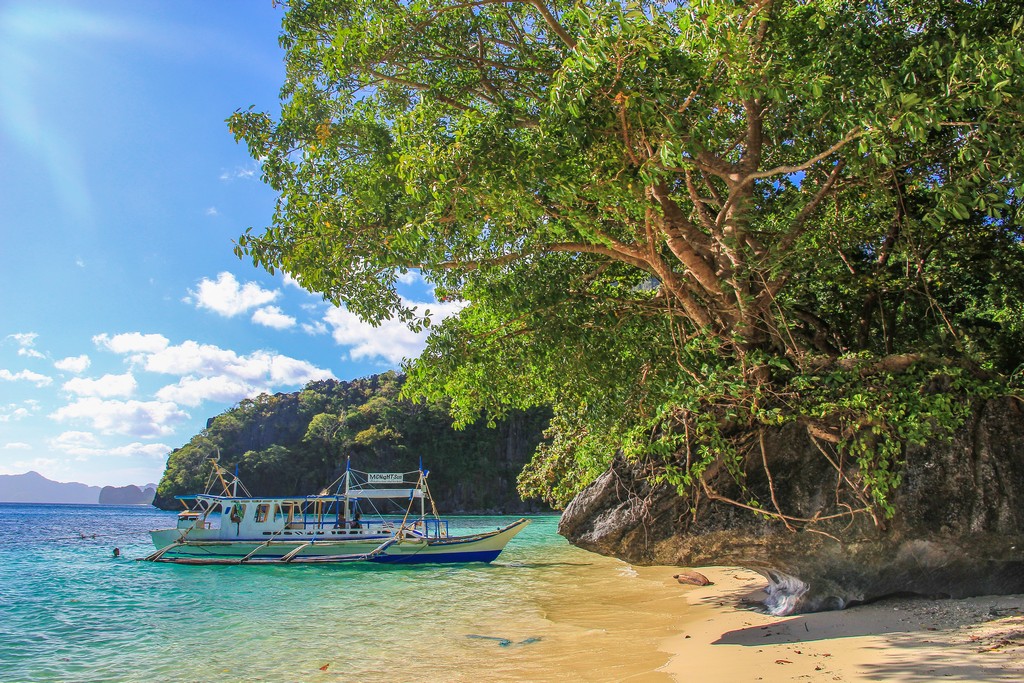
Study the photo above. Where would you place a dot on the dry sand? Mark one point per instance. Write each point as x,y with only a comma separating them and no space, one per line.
907,640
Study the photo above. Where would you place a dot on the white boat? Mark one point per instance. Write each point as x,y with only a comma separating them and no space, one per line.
352,524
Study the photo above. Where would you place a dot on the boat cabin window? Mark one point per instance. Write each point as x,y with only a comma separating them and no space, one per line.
234,510
294,513
262,511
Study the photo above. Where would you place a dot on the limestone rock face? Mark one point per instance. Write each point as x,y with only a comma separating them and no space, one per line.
126,495
958,530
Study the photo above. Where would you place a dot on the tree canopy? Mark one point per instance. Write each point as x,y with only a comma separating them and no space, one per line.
667,219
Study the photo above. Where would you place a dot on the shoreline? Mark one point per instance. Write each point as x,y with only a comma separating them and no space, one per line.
907,639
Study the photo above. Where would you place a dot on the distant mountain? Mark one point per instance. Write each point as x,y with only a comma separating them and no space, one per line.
33,487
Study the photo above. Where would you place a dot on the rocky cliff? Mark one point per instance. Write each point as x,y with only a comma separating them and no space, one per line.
126,495
958,528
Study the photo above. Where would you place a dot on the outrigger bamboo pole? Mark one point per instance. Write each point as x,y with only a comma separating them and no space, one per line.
255,550
153,557
291,555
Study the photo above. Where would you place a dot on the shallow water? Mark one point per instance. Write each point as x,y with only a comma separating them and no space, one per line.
545,611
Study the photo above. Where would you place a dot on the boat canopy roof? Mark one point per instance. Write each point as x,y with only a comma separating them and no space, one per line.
354,494
352,485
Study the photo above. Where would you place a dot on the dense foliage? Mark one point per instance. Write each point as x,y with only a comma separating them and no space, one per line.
675,223
289,444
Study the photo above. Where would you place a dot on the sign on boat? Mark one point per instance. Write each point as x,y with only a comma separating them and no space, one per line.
385,517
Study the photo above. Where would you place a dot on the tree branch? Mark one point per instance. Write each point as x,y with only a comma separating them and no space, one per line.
855,133
552,22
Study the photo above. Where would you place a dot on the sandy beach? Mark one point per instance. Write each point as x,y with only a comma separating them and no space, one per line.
905,639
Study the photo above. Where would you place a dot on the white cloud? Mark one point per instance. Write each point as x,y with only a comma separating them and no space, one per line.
75,364
75,442
132,342
25,375
242,172
392,341
15,414
107,386
192,391
245,378
24,339
149,450
190,357
25,342
86,444
209,372
205,360
45,466
409,277
314,329
226,297
205,372
133,418
290,371
272,316
212,211
17,446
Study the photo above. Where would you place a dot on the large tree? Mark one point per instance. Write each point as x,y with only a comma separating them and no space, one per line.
673,222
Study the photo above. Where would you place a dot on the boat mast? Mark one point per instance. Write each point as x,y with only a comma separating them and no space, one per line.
219,472
348,470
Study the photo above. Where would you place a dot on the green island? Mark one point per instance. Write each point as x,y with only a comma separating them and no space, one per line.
760,261
298,442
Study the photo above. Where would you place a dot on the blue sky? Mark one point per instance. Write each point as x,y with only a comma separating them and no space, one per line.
125,319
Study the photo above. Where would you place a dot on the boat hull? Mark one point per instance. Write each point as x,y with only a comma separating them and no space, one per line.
483,547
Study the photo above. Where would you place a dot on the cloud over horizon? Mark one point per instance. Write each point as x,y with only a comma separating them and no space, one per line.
85,444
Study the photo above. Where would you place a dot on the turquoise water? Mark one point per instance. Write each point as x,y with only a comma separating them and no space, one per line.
71,611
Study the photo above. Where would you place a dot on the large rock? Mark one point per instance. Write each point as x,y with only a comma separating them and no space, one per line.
126,495
958,530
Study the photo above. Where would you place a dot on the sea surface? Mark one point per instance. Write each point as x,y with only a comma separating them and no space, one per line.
544,611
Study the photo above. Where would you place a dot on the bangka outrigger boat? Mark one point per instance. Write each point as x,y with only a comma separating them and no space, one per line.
345,526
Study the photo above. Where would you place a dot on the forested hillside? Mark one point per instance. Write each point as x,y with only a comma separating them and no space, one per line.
297,443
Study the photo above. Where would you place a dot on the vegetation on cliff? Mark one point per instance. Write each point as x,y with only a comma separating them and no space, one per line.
674,223
297,443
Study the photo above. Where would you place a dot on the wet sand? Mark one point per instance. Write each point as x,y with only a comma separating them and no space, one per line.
913,640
